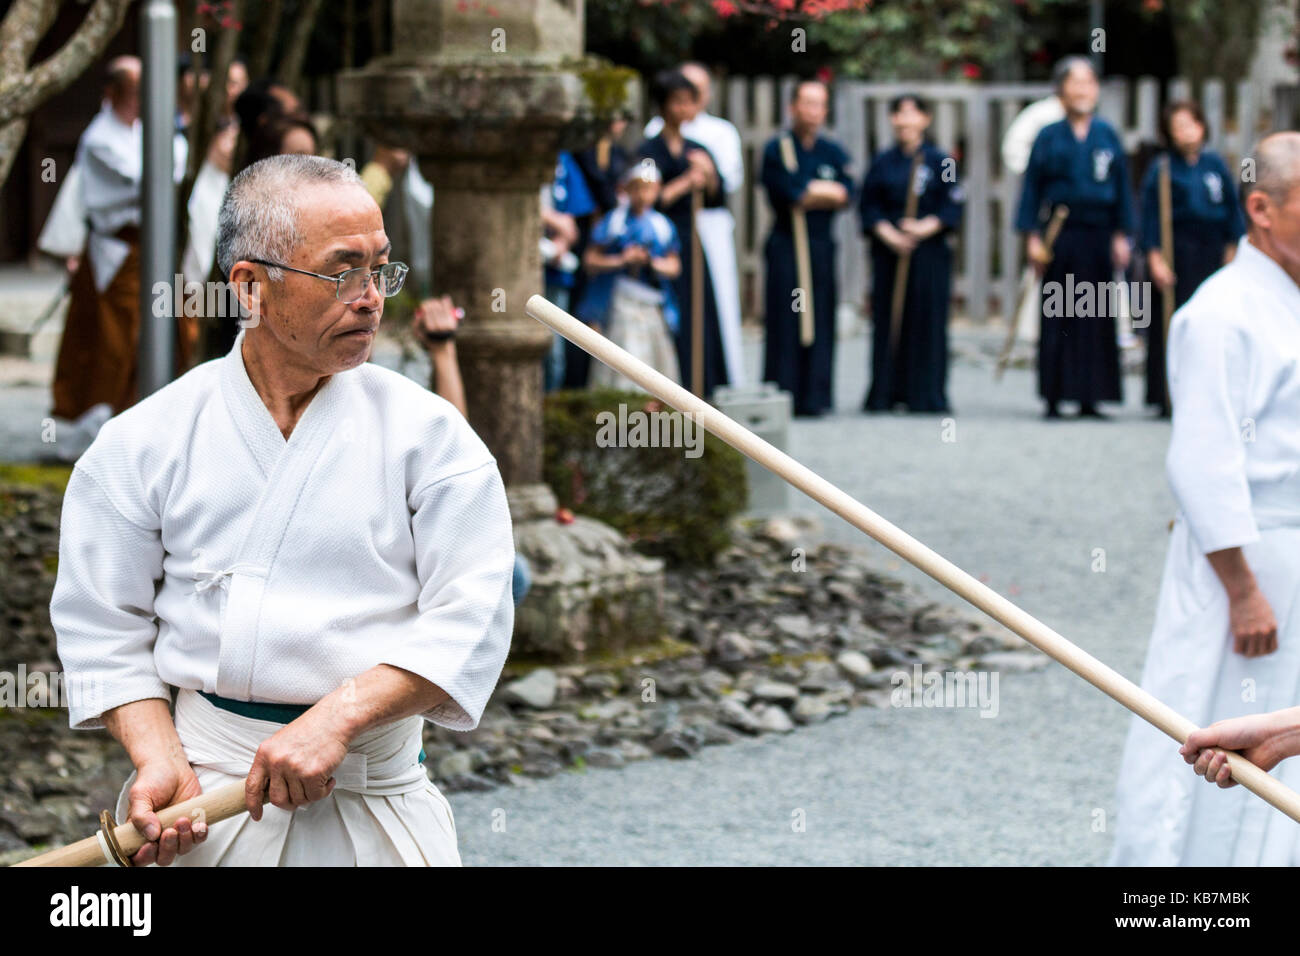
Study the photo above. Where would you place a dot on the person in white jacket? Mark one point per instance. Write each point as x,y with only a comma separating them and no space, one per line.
717,227
311,553
1227,632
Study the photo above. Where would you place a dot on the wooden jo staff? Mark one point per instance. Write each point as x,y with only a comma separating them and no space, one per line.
1166,253
802,251
119,842
697,296
904,258
1028,285
908,548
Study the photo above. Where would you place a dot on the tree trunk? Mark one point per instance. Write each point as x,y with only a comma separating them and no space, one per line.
26,88
295,56
259,65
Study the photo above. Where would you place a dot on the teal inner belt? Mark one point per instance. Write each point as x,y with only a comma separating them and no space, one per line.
279,713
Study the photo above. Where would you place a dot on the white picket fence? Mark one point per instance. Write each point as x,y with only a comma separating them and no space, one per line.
969,121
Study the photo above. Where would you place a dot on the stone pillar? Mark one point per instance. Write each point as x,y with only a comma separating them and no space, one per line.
486,221
486,100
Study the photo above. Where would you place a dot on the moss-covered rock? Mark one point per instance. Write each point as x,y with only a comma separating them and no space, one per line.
669,503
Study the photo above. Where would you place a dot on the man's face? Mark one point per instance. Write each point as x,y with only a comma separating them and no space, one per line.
341,228
641,194
909,122
297,140
1080,90
809,107
680,107
1282,223
236,83
124,94
1187,134
701,80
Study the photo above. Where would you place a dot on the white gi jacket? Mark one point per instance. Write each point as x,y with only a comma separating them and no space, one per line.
201,550
1234,466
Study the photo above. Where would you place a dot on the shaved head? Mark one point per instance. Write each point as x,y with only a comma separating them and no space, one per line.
1272,201
699,76
1276,161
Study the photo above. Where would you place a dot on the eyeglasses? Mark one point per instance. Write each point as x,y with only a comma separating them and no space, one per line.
352,285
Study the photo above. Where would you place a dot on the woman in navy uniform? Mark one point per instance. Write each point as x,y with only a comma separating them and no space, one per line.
1207,222
914,371
820,187
1078,162
686,166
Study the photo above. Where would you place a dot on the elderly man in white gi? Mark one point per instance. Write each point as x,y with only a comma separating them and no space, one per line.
1227,631
312,553
717,227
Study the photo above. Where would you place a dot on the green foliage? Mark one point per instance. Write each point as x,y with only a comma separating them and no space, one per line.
947,39
669,505
43,476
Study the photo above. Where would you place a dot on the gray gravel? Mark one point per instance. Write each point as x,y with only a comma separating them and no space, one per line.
1017,500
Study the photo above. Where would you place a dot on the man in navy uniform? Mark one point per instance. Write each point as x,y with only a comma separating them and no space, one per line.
1079,163
803,172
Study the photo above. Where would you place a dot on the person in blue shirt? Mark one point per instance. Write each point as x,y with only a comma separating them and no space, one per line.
631,262
687,166
821,186
914,370
1078,162
570,202
1207,222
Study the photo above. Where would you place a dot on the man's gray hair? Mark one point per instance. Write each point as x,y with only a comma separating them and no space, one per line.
1275,161
259,213
1067,65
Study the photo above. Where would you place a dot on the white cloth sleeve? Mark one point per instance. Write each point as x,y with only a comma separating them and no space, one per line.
1206,465
102,608
464,558
731,161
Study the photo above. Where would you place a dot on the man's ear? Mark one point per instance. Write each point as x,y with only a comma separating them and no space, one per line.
247,290
1259,209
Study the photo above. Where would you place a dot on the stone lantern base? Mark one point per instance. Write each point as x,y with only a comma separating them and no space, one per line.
591,591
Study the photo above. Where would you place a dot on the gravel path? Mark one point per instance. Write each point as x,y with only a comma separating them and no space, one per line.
1016,500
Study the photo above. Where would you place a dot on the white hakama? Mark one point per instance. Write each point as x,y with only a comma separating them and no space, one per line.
1234,465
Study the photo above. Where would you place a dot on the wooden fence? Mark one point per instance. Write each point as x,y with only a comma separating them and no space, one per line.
969,122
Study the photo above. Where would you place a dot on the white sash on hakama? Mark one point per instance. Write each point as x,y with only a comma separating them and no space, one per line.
384,810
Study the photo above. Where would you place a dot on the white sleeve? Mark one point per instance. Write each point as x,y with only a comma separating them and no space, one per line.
1209,368
102,608
465,559
731,161
1018,141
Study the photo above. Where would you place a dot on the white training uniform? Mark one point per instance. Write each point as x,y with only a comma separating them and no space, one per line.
201,550
1234,466
717,228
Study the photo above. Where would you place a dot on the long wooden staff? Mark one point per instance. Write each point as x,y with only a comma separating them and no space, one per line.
697,296
904,258
908,548
802,251
125,839
1028,283
1166,253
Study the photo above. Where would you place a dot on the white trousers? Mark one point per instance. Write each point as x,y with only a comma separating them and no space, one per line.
1165,814
384,810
